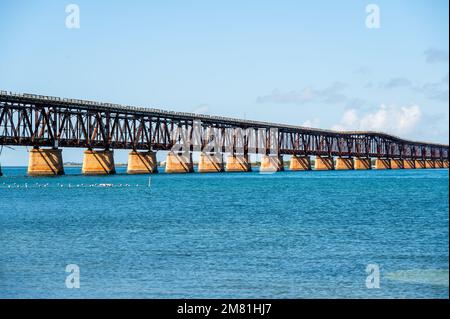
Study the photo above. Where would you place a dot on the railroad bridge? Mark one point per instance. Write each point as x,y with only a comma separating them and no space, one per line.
48,124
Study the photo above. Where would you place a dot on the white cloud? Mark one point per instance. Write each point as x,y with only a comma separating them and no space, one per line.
362,70
295,97
397,82
434,55
435,90
201,109
390,119
314,123
350,118
331,94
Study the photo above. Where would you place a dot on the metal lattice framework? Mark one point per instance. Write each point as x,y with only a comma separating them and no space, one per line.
34,120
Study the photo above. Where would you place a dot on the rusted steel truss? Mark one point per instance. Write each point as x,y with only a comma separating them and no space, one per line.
53,122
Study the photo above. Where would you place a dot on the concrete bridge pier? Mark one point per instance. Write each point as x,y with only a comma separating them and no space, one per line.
430,164
271,163
419,164
98,162
238,163
397,163
300,163
142,163
210,163
361,163
344,163
179,163
409,164
382,163
45,162
324,163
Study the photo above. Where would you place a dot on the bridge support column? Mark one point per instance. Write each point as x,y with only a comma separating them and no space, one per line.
179,163
344,163
238,163
430,164
397,163
324,163
361,163
210,163
271,163
45,162
142,163
300,163
98,162
419,164
408,164
382,163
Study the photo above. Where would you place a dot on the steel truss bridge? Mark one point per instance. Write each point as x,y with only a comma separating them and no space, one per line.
39,121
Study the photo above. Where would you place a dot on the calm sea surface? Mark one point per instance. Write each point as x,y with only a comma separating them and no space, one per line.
284,235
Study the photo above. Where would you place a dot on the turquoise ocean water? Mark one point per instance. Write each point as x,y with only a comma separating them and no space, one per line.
283,235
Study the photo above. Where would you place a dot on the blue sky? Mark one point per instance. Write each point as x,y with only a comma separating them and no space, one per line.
309,63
